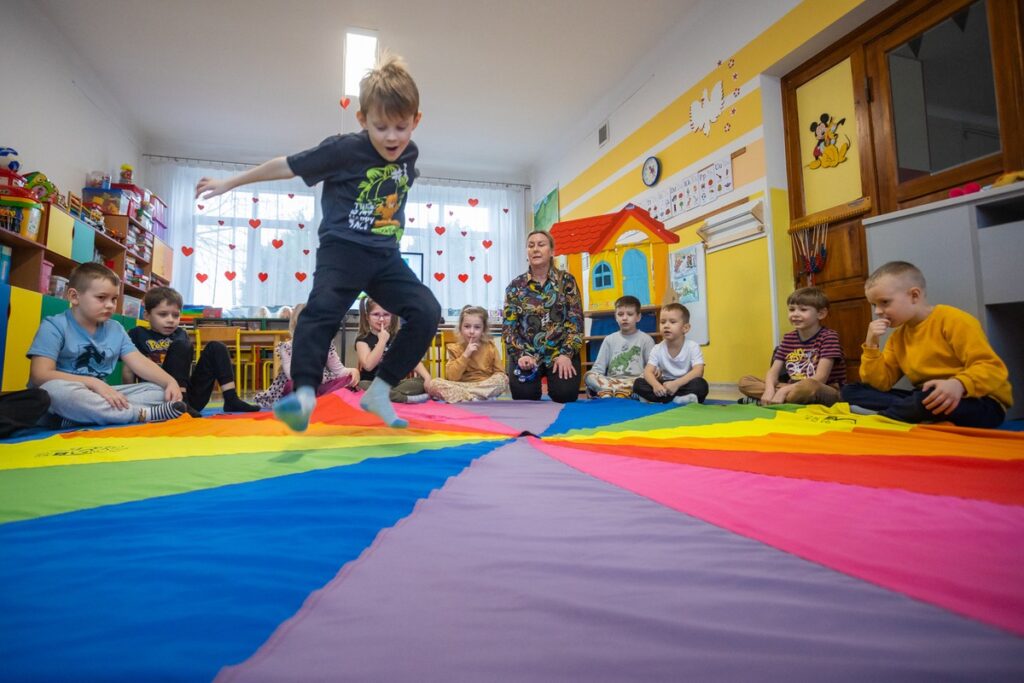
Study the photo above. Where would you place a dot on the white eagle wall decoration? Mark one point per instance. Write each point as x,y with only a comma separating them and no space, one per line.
706,110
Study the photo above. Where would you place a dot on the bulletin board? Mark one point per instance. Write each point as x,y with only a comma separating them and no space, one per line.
688,280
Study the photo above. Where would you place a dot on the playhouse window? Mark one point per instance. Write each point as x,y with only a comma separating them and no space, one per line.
602,276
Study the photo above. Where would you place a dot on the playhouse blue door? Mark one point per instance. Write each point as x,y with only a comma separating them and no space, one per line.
634,276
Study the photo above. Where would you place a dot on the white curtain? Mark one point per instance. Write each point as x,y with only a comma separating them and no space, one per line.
254,246
469,238
472,237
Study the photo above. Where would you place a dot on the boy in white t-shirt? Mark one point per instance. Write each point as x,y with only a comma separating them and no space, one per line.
675,369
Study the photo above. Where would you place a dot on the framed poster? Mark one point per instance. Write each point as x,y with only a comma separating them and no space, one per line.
545,212
688,280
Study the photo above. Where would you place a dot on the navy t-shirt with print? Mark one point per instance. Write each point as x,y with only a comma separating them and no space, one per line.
364,194
154,345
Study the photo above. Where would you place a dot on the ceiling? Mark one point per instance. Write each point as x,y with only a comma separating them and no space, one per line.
502,82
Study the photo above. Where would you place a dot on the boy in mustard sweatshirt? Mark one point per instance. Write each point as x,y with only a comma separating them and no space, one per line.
942,350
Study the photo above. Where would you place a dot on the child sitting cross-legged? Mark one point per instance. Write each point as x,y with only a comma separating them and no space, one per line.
808,365
74,351
474,371
168,345
336,376
377,331
675,370
942,350
623,355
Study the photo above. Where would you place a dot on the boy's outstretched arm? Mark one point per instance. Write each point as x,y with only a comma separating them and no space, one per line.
275,169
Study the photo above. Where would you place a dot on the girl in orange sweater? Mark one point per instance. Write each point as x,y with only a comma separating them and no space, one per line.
474,371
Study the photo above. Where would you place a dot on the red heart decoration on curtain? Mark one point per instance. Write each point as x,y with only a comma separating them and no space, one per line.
439,229
463,277
231,246
451,213
429,204
263,277
487,278
301,226
438,276
464,233
473,201
200,207
412,220
254,223
220,222
187,251
255,200
472,258
344,102
230,275
488,244
201,277
305,252
301,277
278,244
291,195
440,251
505,210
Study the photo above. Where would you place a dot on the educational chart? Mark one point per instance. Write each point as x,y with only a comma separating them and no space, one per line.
693,191
687,279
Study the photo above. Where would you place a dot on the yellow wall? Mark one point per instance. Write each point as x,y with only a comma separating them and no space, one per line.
740,279
21,330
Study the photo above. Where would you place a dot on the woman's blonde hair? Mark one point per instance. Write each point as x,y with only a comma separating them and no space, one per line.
477,311
366,304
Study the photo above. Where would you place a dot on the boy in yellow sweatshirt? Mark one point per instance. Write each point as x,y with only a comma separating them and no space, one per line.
942,350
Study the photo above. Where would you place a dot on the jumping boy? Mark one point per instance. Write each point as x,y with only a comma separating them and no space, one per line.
168,345
942,350
366,176
623,354
808,365
75,350
675,369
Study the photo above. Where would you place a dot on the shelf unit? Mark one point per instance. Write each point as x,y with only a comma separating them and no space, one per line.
66,241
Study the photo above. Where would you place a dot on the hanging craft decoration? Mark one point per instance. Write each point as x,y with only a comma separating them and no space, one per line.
263,276
301,277
187,251
230,275
473,201
202,277
254,223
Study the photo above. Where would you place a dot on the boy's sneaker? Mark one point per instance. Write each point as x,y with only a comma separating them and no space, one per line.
746,400
685,399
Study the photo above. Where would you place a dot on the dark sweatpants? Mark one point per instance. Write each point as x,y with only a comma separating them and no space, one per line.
698,386
343,270
214,365
907,406
559,390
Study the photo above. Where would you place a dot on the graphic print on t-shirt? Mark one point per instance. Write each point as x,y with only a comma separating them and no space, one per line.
800,363
90,360
380,197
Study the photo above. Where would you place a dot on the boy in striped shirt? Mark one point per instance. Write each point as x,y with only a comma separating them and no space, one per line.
808,365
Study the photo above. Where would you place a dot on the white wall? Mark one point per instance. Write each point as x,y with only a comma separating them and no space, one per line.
54,111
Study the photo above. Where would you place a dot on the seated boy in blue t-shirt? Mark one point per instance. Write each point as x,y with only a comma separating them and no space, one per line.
74,351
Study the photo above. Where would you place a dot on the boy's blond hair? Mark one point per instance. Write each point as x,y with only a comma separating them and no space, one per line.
389,89
907,272
83,275
808,296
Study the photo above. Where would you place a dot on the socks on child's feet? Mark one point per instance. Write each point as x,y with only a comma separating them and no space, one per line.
377,400
685,399
417,398
233,404
296,408
164,411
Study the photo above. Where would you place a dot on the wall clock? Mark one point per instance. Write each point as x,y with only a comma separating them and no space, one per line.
651,171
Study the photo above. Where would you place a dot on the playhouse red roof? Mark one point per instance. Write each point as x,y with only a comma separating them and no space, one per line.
591,234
